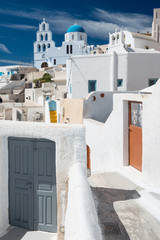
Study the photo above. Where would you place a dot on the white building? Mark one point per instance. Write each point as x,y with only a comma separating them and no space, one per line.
46,54
156,24
111,142
139,40
131,63
6,73
133,40
118,70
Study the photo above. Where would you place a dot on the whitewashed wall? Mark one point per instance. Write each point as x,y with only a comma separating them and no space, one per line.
141,67
3,83
109,141
60,54
70,148
98,107
106,141
81,218
86,68
140,41
34,95
129,38
133,67
151,138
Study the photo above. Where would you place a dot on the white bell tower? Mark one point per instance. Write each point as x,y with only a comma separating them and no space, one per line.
44,41
156,24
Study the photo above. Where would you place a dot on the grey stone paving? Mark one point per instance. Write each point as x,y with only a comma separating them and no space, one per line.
16,233
120,216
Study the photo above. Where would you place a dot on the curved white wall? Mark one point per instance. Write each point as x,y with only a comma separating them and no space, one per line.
81,218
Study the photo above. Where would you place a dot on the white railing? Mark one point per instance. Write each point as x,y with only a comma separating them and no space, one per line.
81,221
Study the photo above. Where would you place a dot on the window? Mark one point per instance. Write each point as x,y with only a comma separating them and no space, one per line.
71,49
119,82
70,88
38,48
152,81
44,27
41,37
1,73
67,49
22,76
54,61
80,37
72,37
44,48
117,36
46,37
92,85
49,45
156,15
43,55
8,73
47,98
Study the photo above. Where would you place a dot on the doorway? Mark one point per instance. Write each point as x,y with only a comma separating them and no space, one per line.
135,134
32,184
44,65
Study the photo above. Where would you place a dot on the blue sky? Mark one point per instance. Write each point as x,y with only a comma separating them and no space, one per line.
19,22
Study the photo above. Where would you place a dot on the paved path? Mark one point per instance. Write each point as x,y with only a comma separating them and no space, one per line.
120,215
16,233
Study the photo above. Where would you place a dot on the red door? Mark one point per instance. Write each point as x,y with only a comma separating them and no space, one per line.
135,135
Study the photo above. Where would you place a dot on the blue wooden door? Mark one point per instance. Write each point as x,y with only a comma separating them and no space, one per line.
32,184
45,205
21,183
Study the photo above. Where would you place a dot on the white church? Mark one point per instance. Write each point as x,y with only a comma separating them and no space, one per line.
131,63
46,54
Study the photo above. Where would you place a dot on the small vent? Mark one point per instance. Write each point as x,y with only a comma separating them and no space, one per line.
94,98
102,95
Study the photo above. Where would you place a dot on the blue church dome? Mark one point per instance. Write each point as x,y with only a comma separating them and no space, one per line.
75,28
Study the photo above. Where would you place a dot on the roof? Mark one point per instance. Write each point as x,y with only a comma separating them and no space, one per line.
143,36
16,67
142,50
60,77
148,89
13,85
75,28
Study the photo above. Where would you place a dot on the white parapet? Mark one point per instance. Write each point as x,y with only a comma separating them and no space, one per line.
47,114
81,221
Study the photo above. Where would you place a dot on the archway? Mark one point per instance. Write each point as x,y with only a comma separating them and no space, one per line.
44,64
